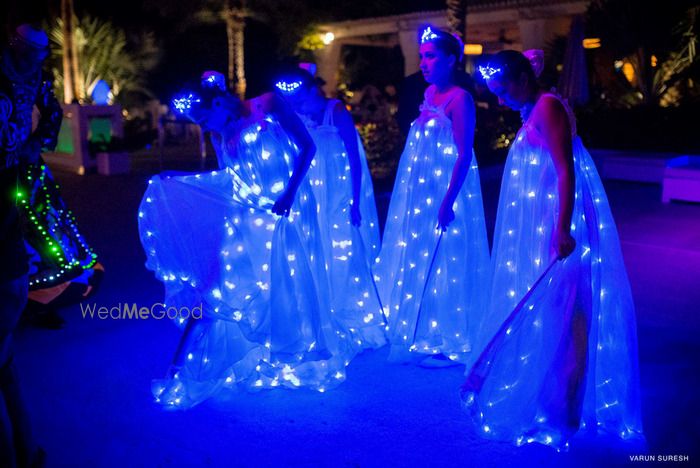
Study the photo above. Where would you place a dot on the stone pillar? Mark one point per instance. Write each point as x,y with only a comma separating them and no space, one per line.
409,49
328,62
533,33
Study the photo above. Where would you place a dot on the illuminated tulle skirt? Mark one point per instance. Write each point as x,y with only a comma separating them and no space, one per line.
349,250
432,284
260,279
566,359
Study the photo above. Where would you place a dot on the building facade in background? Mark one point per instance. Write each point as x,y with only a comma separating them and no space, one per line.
492,25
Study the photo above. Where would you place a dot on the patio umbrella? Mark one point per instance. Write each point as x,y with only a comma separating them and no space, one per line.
573,81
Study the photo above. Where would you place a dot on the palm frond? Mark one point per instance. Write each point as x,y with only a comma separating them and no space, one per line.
104,54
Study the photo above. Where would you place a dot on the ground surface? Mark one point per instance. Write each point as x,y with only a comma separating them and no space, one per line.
89,384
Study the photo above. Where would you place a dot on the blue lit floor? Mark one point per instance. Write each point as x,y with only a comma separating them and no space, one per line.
88,385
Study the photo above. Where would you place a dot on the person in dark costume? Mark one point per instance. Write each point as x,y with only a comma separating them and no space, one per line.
62,267
21,67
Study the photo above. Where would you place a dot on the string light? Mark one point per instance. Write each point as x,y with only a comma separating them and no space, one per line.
63,250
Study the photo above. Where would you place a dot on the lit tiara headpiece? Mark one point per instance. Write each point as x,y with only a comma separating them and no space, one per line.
488,71
428,35
183,103
534,56
288,87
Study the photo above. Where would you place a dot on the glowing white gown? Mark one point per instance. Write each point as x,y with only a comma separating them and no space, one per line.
349,251
567,358
212,239
436,294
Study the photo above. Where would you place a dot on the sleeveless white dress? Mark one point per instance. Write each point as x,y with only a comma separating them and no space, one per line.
431,284
260,278
566,358
349,250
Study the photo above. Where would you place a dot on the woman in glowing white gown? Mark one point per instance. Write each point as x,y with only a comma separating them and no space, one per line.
347,213
244,243
432,280
564,357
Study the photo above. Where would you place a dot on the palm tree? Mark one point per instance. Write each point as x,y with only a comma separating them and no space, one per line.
288,18
98,51
233,13
639,31
682,64
69,55
457,17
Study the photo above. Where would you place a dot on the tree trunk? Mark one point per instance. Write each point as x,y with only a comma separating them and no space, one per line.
68,82
240,62
645,76
231,37
234,16
78,81
457,17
